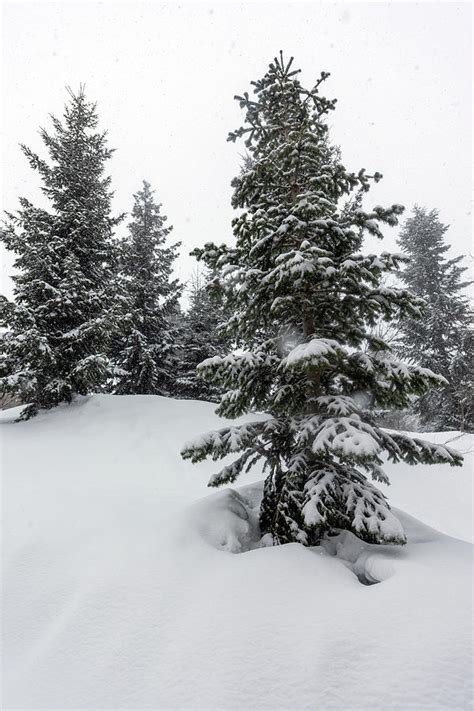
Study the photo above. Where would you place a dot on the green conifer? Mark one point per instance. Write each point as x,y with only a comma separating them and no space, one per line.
147,350
303,299
437,340
59,324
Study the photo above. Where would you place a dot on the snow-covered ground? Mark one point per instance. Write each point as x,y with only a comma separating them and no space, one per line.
119,588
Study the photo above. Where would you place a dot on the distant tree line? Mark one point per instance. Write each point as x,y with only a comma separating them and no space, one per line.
96,307
92,311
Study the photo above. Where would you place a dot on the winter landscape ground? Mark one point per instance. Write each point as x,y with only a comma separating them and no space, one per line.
127,584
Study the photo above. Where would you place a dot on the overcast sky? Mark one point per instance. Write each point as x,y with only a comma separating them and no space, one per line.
164,77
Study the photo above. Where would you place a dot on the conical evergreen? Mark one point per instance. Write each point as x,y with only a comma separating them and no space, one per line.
436,340
60,321
304,298
147,349
200,340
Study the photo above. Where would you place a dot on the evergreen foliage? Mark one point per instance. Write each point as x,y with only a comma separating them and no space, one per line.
59,324
440,338
303,300
199,341
146,353
462,381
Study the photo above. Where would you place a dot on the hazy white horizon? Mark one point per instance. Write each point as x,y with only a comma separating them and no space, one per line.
164,77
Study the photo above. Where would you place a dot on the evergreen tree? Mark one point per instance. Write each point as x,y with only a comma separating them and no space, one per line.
60,321
436,340
200,340
462,380
147,350
304,298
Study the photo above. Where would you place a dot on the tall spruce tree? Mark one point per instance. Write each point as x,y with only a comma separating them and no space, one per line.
200,340
304,298
147,349
59,324
437,340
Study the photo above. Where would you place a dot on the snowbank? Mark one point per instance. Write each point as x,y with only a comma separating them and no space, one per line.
120,589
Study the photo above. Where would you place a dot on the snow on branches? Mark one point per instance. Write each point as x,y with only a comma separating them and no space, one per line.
60,323
304,299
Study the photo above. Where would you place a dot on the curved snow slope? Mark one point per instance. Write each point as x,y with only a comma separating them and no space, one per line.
118,594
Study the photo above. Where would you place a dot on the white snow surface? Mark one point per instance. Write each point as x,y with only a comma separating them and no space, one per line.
120,589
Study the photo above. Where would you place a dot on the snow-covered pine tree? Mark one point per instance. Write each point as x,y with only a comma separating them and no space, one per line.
200,340
304,298
59,324
436,340
146,352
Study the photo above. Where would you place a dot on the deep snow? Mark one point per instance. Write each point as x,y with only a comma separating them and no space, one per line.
120,591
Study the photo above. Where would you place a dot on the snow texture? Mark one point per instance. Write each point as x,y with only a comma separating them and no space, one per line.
120,590
314,352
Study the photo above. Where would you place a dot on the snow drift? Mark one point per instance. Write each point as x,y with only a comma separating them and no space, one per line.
120,589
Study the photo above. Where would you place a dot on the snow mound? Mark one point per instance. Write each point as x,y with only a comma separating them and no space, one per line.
228,520
119,589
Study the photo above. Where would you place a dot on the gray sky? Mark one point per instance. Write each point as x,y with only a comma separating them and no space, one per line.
164,77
